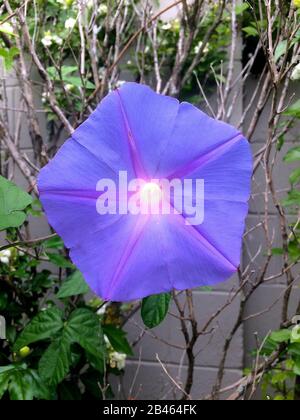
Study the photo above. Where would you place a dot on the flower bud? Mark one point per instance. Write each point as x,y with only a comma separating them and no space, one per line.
24,352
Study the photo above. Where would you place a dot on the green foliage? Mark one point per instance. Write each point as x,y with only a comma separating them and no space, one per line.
117,339
281,381
293,110
22,383
13,202
281,50
43,326
72,286
155,309
8,55
293,155
55,347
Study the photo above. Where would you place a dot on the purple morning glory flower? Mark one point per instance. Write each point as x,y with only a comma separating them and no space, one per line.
125,256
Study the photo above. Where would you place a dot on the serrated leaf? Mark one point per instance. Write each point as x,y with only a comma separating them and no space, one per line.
154,309
117,339
83,327
13,201
73,286
43,326
55,363
22,383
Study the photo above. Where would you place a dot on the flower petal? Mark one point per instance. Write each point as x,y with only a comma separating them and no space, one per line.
194,135
151,118
67,187
165,254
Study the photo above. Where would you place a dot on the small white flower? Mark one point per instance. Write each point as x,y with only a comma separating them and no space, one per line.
5,256
101,311
120,83
199,46
57,39
70,23
6,253
47,40
102,10
166,26
117,360
296,73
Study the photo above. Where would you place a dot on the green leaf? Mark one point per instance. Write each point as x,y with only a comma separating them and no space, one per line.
293,110
84,328
65,70
8,56
59,260
250,31
295,335
54,243
294,350
297,367
295,176
78,82
280,50
74,285
241,8
292,155
155,308
43,326
55,363
277,251
12,203
117,339
281,336
6,31
4,379
293,199
22,383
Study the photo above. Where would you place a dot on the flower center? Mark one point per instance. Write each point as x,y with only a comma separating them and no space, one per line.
151,193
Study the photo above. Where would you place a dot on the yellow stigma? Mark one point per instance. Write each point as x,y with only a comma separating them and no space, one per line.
151,193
